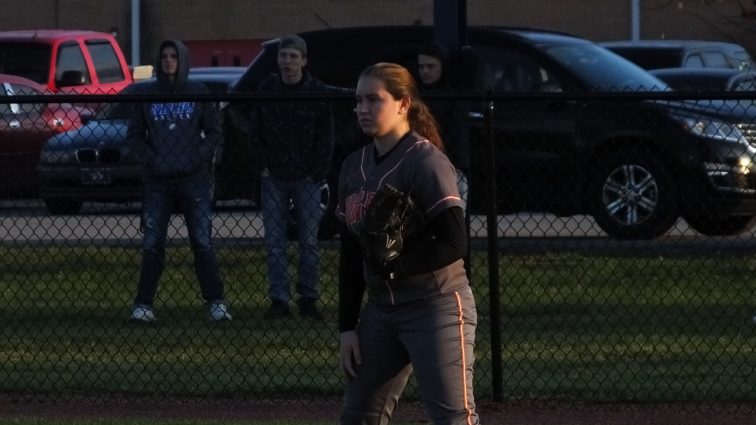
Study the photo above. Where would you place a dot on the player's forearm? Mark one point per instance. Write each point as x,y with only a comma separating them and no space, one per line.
351,281
448,245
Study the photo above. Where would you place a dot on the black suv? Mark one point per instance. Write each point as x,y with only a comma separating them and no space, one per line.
635,165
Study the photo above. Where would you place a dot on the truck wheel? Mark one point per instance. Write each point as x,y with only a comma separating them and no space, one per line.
60,206
633,195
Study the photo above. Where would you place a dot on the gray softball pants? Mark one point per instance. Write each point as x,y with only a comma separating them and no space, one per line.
435,338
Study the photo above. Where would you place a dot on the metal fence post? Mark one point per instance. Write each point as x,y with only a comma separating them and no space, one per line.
493,260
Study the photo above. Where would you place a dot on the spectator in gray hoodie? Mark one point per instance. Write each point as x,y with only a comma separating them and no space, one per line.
178,142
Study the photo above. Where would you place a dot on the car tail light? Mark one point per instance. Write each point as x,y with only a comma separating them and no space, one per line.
61,118
58,124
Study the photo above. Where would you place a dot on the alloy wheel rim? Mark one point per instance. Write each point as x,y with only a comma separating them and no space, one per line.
630,194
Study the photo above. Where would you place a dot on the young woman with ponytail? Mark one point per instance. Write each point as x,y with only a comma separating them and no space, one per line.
422,315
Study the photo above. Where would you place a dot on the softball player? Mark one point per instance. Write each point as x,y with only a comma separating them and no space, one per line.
423,318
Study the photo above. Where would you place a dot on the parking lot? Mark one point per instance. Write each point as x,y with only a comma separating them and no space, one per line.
240,223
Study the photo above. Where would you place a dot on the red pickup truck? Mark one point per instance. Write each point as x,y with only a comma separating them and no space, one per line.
66,60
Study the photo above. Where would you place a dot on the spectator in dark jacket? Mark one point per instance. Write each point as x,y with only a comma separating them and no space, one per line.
436,76
293,141
178,142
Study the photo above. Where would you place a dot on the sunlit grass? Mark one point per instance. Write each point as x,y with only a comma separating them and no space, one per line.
592,327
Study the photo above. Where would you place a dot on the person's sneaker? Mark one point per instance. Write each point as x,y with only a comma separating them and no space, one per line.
308,309
142,313
278,310
218,311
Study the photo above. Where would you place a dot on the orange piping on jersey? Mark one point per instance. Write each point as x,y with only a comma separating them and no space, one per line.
440,201
465,396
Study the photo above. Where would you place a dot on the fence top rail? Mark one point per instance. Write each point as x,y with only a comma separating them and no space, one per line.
349,95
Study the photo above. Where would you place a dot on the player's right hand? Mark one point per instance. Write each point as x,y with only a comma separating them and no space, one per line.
349,351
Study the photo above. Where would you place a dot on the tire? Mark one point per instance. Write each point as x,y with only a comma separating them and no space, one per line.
61,206
633,195
721,226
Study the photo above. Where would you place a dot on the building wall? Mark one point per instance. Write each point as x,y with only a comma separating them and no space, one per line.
256,19
593,19
203,20
96,15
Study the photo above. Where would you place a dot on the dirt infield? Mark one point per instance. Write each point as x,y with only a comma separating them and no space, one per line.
510,412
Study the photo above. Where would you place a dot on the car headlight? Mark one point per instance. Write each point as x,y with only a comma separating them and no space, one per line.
56,157
713,129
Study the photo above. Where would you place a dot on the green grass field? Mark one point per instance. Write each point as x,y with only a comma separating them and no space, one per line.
587,327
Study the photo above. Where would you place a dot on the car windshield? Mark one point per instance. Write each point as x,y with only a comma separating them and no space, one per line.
601,70
28,60
744,84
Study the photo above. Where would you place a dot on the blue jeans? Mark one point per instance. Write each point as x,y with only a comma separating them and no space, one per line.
276,196
193,198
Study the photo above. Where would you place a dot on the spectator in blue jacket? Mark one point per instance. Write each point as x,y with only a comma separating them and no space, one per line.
293,142
178,142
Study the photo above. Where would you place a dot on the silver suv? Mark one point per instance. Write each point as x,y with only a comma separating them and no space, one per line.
656,54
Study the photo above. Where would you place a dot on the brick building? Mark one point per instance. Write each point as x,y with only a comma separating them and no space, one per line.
227,32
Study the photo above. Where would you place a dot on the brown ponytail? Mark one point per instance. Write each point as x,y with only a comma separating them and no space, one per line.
399,82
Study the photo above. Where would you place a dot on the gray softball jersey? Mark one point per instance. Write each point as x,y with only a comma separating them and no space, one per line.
416,167
424,322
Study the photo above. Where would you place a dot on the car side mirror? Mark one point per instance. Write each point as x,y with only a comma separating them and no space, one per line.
71,78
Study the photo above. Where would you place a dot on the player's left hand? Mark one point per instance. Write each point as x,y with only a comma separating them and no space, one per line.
349,351
382,237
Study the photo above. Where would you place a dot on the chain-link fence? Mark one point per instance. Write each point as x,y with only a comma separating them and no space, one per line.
611,255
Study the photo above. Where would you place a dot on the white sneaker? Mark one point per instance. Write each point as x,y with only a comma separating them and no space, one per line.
143,313
218,311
